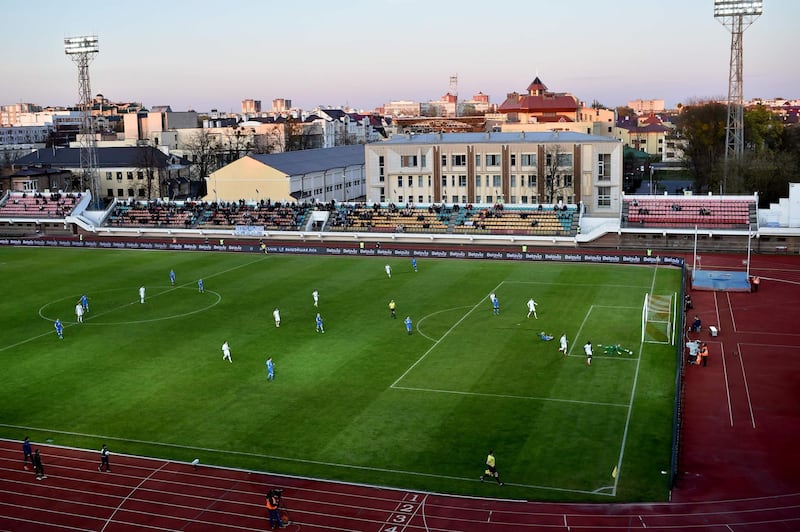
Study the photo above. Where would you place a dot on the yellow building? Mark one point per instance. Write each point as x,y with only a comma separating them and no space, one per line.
320,175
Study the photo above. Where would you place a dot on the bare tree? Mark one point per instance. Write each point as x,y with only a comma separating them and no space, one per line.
301,136
237,143
203,149
270,142
153,163
555,164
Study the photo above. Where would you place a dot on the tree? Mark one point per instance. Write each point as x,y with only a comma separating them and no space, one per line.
270,142
555,160
203,149
153,163
703,127
237,143
343,135
298,135
770,160
624,112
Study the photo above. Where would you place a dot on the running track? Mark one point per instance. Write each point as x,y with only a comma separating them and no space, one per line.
738,468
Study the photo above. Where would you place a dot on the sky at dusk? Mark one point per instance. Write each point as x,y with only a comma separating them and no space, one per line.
202,55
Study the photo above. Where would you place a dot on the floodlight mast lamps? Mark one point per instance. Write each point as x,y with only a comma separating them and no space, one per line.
81,50
737,16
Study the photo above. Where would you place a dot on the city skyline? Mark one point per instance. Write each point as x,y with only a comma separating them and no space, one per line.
364,53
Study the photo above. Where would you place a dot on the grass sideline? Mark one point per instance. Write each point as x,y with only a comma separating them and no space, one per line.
365,402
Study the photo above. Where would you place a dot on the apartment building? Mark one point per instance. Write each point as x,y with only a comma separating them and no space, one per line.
491,168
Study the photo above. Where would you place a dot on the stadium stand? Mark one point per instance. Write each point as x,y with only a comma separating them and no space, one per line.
686,212
38,205
390,219
517,220
223,215
499,219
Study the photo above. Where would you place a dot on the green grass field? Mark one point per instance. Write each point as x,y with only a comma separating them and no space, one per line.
364,402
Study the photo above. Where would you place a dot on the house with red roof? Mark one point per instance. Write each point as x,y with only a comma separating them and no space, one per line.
539,105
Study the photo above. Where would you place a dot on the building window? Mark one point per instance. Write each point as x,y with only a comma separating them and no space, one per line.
513,160
513,199
120,192
477,181
513,182
423,161
108,177
462,180
459,159
477,161
420,182
444,161
568,181
493,159
604,166
400,199
130,192
419,198
444,181
497,180
604,196
408,161
110,192
119,176
524,199
399,181
531,180
411,180
140,175
130,176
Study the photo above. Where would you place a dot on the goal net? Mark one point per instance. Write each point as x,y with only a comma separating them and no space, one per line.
657,319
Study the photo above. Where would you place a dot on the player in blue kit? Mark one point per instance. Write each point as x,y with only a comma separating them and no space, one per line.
414,263
270,369
172,277
320,327
59,329
200,287
409,324
85,303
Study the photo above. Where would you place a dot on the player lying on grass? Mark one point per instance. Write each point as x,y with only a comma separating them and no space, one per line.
615,349
544,336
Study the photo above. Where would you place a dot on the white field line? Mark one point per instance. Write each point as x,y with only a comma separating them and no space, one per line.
36,337
508,396
730,309
727,386
128,496
436,343
295,460
630,402
746,386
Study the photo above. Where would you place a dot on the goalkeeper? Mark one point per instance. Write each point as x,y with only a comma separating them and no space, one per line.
615,349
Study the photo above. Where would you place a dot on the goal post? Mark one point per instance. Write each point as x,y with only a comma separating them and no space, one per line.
658,319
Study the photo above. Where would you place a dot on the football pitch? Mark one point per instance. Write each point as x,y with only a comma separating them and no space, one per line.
362,402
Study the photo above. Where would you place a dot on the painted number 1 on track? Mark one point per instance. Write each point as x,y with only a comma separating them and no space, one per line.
401,516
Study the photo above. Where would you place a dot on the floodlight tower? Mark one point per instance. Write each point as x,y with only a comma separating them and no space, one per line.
737,16
454,89
82,50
